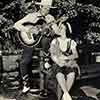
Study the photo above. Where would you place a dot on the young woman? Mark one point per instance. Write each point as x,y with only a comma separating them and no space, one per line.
64,54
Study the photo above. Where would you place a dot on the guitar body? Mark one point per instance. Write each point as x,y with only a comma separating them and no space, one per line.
30,38
25,40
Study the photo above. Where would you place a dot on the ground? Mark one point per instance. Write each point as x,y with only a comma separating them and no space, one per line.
11,95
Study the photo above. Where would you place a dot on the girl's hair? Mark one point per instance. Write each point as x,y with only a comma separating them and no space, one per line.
68,29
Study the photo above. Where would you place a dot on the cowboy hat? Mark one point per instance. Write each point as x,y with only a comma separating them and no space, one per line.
45,3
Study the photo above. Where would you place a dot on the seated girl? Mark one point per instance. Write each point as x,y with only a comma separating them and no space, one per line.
64,54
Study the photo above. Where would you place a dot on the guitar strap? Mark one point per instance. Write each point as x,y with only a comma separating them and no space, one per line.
68,46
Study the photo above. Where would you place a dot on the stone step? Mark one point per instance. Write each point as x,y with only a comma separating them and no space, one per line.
10,74
9,62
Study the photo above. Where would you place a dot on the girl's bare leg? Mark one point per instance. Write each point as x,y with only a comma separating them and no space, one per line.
62,82
70,80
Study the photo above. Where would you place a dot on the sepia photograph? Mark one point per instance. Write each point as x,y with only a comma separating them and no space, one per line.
49,50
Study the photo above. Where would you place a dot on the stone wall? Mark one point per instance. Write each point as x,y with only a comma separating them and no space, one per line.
10,71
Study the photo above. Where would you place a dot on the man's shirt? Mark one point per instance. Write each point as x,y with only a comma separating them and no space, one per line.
32,18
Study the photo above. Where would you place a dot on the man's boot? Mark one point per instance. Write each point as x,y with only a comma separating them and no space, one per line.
26,86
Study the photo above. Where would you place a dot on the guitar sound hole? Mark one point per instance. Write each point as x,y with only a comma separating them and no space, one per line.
36,36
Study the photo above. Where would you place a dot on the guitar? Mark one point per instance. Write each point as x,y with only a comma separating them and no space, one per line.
30,38
35,32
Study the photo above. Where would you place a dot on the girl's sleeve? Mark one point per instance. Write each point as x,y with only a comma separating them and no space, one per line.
53,48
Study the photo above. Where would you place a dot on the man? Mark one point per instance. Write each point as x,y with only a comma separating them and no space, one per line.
32,18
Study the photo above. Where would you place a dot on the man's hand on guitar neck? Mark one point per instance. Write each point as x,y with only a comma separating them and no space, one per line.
62,19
